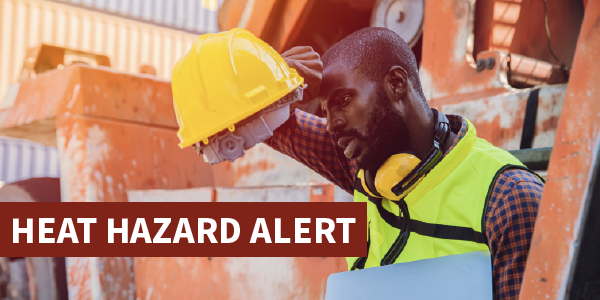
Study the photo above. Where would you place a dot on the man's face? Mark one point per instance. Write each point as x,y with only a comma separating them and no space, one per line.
365,121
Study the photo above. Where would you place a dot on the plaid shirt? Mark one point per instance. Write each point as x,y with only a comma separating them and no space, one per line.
511,211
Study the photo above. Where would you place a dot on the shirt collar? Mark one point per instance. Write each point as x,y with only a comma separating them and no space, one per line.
459,126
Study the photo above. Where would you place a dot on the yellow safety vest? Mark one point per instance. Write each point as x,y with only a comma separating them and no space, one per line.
444,214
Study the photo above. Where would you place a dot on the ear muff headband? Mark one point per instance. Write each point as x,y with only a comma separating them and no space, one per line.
442,131
363,181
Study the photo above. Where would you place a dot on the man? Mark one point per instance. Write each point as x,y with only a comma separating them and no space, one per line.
475,197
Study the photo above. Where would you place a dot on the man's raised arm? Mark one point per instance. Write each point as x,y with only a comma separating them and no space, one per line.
304,136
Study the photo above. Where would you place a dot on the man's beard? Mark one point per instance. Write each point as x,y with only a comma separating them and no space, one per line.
386,134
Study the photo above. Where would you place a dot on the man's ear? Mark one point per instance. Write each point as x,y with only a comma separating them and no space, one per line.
397,80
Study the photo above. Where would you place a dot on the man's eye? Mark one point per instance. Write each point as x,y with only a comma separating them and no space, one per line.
344,100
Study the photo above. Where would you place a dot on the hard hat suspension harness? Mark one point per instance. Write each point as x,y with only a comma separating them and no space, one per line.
233,142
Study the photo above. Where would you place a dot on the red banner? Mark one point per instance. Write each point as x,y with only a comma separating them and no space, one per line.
176,229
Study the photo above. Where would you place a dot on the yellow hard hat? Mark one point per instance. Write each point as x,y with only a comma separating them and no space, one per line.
225,78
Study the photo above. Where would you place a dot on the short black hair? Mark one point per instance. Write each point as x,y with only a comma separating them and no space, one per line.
372,52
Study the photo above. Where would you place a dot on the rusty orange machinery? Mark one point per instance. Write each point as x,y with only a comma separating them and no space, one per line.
116,132
510,25
563,259
478,58
481,59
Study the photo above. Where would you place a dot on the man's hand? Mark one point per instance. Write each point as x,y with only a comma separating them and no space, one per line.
308,64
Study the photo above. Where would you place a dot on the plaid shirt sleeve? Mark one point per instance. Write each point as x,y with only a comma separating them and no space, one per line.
304,137
510,220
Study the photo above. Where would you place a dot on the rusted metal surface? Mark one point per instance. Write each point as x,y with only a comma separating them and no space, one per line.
99,92
447,69
364,5
128,43
101,159
114,132
306,192
499,119
296,12
291,193
264,194
32,190
276,22
558,224
15,279
100,278
41,278
47,57
238,277
80,90
285,20
525,71
534,159
448,66
518,27
453,84
234,278
206,194
261,165
106,151
249,15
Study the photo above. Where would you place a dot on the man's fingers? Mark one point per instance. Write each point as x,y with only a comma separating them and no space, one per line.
308,64
306,72
304,56
312,78
297,50
312,65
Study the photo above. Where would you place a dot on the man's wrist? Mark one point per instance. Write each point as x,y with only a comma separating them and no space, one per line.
293,106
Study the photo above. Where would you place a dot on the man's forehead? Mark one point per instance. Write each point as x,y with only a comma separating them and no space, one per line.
334,77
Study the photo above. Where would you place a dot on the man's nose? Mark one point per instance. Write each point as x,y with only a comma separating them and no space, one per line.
335,124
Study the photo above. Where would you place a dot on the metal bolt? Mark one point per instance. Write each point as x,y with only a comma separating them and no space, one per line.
490,63
480,65
400,17
230,145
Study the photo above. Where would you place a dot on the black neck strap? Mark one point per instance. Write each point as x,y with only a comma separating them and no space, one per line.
442,132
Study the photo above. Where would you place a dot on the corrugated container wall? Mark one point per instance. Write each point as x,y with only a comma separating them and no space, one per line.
22,159
129,43
196,16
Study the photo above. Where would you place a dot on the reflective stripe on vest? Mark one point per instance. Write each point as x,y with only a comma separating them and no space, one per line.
446,211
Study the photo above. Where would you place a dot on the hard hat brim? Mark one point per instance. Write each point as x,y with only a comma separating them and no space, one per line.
240,117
